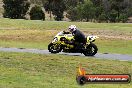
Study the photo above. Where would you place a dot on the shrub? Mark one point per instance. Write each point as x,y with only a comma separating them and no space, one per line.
15,9
36,13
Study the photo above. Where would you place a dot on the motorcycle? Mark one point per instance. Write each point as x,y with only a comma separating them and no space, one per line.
59,44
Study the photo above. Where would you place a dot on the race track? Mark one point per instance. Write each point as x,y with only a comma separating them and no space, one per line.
121,57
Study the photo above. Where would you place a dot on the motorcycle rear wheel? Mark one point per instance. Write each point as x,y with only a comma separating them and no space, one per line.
91,50
54,48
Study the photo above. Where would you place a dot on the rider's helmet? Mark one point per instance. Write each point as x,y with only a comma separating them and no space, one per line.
72,28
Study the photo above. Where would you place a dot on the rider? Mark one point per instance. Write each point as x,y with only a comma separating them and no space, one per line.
78,36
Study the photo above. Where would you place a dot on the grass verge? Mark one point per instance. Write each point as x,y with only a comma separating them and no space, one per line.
44,25
24,70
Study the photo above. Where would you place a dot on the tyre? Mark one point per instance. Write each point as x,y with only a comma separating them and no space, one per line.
54,48
91,50
81,80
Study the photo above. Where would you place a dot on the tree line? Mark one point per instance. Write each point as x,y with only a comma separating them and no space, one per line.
102,11
76,10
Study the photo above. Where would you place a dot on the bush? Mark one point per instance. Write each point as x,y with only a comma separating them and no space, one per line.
57,7
72,14
37,13
113,16
88,11
102,18
123,18
15,9
83,12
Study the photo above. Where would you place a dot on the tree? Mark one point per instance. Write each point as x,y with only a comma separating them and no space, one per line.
112,10
47,4
57,7
37,13
99,9
72,14
96,2
123,18
120,10
72,3
113,16
15,9
39,2
102,17
88,11
85,11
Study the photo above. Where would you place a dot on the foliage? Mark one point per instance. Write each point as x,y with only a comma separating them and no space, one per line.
77,10
113,16
123,17
102,17
15,9
57,7
72,14
84,11
72,3
103,10
88,11
37,13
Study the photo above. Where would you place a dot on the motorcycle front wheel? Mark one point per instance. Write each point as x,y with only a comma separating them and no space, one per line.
90,50
54,48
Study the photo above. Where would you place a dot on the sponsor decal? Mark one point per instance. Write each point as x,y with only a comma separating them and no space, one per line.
83,78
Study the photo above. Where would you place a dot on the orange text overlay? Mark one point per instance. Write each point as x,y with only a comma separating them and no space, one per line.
103,78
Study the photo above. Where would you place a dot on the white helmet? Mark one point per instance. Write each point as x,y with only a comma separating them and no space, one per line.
72,28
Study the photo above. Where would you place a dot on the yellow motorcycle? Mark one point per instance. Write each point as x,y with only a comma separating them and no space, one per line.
59,44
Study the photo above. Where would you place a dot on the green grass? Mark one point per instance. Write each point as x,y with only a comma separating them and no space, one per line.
44,25
20,44
115,46
38,34
24,70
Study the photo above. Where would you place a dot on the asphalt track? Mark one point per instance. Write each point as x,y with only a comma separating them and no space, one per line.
121,57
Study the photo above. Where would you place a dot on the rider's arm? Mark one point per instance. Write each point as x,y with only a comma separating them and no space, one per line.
65,32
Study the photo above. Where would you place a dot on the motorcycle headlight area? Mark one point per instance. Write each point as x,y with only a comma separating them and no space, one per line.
55,39
91,38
